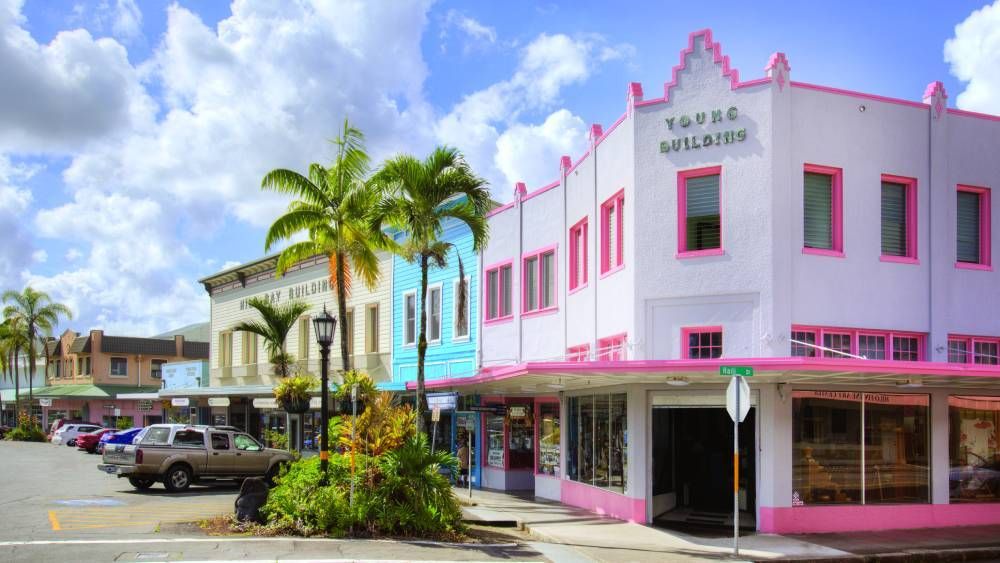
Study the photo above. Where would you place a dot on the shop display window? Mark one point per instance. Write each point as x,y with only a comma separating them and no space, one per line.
494,441
598,441
548,439
974,472
860,448
521,437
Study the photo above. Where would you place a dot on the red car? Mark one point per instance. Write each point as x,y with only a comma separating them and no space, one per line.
88,442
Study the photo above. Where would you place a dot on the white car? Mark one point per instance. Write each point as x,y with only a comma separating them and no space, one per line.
67,433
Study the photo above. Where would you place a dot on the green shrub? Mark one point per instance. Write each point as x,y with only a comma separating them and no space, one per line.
27,430
276,439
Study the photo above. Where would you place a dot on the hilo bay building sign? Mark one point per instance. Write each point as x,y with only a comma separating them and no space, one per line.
295,292
699,140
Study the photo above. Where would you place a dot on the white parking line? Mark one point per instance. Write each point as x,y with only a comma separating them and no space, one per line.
239,539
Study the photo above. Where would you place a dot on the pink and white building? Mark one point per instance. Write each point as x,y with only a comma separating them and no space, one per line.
838,242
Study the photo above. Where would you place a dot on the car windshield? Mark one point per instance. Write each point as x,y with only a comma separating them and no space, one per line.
157,436
246,443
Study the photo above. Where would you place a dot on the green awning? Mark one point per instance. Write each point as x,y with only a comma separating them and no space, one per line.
7,395
87,391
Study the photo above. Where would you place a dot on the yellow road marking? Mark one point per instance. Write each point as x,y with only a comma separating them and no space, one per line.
54,521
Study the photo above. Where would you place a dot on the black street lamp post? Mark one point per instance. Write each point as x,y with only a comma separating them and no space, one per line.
324,325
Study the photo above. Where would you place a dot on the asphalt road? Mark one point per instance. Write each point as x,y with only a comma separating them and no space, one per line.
56,506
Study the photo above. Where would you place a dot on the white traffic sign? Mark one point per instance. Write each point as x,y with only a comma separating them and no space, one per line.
744,390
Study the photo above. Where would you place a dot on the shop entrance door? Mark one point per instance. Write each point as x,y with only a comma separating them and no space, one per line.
693,468
464,423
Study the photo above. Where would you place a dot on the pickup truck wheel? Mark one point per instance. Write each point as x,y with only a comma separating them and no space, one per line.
141,483
177,479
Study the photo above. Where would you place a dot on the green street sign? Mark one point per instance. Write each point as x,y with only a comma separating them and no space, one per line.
745,371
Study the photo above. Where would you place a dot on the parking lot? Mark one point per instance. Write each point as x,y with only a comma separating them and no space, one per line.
55,492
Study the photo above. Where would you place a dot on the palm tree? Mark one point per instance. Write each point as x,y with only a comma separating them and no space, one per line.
275,324
418,197
332,209
37,315
12,340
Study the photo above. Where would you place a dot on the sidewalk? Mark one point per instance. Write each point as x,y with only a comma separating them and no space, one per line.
606,539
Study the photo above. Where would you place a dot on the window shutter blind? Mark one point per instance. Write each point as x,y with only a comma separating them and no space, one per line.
505,291
893,219
818,211
548,279
703,226
968,227
612,236
531,284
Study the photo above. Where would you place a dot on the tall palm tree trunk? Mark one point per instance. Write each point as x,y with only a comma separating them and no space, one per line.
17,383
345,352
422,345
31,369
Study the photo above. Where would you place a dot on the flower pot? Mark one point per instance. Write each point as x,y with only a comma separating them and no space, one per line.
297,406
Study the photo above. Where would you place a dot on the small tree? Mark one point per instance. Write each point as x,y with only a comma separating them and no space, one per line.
38,315
274,325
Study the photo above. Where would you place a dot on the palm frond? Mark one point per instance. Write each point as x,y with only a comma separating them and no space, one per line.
297,219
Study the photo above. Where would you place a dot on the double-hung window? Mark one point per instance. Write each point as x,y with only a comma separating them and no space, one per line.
409,318
119,367
973,228
611,348
699,223
701,343
613,233
434,314
304,338
579,353
899,219
498,292
578,255
371,328
539,269
974,350
822,210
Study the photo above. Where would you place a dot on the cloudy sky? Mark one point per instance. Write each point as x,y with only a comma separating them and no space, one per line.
133,135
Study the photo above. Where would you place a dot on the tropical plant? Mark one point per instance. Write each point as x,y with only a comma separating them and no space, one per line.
27,430
37,315
13,339
293,393
383,426
366,386
332,208
419,196
275,439
276,321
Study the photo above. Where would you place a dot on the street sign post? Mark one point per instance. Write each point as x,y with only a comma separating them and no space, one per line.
737,405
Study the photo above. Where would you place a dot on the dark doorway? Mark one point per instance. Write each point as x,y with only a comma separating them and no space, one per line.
693,468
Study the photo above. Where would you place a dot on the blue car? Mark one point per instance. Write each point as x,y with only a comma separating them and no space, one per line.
121,437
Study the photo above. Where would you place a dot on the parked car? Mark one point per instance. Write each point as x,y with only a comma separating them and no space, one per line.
129,436
178,455
60,422
88,441
68,433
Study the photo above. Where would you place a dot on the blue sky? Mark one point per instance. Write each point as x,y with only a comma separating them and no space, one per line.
133,140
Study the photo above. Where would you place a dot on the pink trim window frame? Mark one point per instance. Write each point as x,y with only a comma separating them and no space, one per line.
539,401
498,268
577,247
682,178
911,219
837,200
985,229
579,353
853,333
617,201
688,331
540,289
970,346
612,348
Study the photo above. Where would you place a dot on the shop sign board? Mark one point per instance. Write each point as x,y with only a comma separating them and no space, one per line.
218,401
443,401
490,409
517,411
180,402
144,405
265,403
45,402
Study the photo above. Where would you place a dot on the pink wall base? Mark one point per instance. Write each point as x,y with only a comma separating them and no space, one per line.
605,503
814,519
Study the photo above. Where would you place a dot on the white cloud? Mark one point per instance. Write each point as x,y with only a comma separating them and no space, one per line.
127,20
530,153
73,254
547,65
74,89
477,32
974,54
15,202
40,256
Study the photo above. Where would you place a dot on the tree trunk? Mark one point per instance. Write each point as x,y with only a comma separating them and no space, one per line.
345,353
31,369
17,385
422,345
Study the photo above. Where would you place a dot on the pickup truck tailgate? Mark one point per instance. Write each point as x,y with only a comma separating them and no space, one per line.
119,454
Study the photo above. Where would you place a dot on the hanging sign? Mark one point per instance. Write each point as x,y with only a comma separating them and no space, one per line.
218,401
517,411
144,405
45,402
265,403
443,401
180,402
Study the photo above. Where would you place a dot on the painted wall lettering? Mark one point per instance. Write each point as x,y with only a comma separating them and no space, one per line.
295,292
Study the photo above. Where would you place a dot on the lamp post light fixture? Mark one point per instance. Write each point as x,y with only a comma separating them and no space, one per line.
324,325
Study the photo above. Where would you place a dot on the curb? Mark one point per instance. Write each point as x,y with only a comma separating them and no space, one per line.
962,554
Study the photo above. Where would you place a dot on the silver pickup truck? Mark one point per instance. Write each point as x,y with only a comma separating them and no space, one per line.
178,455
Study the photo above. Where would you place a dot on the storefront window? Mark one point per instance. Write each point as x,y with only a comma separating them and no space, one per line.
974,474
548,439
830,466
521,435
598,441
494,435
